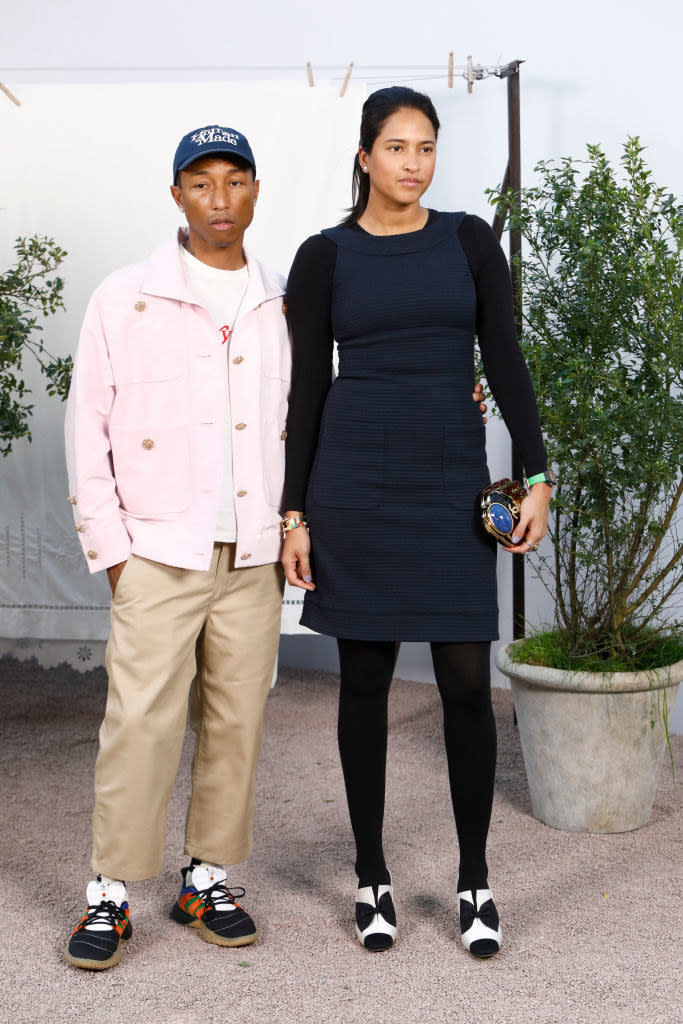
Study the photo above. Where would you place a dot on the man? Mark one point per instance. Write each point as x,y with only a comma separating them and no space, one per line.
175,434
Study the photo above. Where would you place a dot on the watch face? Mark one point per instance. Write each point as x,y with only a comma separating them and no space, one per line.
500,517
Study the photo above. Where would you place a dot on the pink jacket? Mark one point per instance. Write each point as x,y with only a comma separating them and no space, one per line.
146,415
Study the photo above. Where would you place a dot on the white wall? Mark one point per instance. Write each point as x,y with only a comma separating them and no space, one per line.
594,72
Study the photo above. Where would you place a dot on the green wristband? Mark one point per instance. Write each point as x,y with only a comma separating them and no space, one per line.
541,478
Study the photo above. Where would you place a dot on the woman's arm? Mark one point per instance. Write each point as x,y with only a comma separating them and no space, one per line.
309,314
505,368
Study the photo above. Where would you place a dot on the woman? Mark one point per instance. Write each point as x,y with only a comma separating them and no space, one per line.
387,464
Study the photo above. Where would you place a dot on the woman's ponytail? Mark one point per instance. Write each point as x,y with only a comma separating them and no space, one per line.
360,193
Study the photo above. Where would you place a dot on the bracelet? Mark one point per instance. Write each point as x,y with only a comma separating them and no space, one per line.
542,478
291,524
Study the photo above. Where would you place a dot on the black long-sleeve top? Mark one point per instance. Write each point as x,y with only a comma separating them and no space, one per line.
309,312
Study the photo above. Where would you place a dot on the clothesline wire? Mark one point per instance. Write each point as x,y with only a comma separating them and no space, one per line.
490,69
418,78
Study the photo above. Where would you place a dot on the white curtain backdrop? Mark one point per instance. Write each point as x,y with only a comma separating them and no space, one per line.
90,166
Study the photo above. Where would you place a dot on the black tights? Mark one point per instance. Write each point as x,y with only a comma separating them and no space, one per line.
463,677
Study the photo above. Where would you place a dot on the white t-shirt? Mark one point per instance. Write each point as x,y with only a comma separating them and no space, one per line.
221,293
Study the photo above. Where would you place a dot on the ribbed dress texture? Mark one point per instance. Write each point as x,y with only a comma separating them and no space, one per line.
397,548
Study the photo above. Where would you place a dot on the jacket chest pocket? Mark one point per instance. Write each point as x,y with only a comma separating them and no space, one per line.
155,352
276,347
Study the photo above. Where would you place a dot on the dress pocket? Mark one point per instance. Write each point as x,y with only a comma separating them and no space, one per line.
348,469
152,469
465,472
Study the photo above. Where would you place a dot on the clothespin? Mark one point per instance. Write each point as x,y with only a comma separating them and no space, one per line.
450,70
309,70
10,95
470,74
347,79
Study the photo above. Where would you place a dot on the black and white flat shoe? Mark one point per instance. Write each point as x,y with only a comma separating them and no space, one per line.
480,929
375,916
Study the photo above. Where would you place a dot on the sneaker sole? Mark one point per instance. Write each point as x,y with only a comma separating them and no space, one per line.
220,940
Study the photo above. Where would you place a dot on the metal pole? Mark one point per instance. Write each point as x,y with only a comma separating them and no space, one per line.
515,179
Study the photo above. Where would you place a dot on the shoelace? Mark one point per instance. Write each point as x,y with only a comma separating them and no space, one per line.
219,893
105,912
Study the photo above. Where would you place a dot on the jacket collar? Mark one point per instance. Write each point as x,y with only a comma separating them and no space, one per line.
164,277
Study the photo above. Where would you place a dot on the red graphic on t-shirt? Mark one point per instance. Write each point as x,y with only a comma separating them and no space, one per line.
226,332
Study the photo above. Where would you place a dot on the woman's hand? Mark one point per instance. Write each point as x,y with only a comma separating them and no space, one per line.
533,524
478,396
295,557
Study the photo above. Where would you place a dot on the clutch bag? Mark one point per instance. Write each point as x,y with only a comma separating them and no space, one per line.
500,504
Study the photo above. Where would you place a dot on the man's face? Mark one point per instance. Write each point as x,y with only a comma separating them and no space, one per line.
218,200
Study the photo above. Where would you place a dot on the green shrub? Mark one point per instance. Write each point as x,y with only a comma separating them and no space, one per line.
26,294
602,280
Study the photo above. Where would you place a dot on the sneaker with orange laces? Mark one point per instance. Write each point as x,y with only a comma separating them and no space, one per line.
95,942
205,902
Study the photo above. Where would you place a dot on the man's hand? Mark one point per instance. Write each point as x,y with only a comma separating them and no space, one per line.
478,396
114,572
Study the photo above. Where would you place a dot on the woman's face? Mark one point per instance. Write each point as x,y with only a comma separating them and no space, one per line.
401,162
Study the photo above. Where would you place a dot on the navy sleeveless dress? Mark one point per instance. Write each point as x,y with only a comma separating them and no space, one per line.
397,548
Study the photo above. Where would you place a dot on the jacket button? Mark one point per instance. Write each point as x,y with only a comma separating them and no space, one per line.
240,426
92,554
148,444
283,435
79,529
140,306
241,494
245,557
238,360
71,500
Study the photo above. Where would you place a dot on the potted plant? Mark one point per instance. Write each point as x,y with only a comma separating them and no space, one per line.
602,335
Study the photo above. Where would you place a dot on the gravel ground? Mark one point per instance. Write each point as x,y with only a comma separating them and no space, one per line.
591,923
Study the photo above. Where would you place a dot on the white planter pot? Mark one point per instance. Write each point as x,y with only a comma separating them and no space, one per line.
591,752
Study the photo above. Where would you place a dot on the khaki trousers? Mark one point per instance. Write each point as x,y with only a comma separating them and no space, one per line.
171,628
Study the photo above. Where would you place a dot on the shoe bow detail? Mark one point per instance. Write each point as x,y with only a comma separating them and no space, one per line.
384,907
486,913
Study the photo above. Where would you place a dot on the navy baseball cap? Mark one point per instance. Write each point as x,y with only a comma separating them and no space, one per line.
212,139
